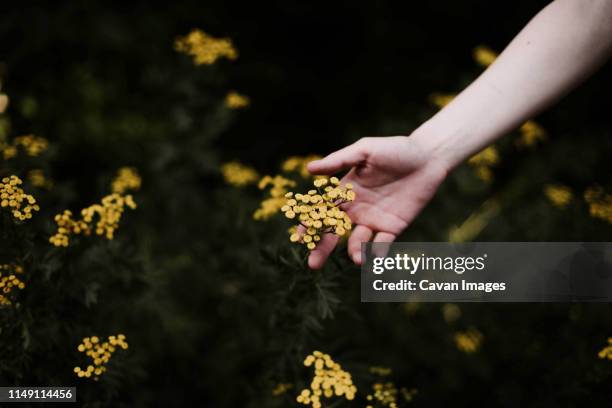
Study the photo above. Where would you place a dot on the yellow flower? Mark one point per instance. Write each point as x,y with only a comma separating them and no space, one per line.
238,175
484,56
600,203
277,199
321,211
560,196
13,197
468,341
9,281
281,389
32,145
606,352
99,354
234,100
531,134
329,380
451,312
37,178
298,164
380,371
127,179
441,100
483,161
103,219
205,49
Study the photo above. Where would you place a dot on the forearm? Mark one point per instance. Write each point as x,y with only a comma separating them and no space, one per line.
561,46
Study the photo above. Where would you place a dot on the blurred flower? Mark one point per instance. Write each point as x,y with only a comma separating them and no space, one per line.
475,223
37,178
411,308
298,164
108,213
451,312
30,144
484,56
12,196
281,389
560,196
385,394
531,134
329,380
238,175
483,161
441,100
468,341
271,205
127,179
99,353
205,49
606,352
234,100
9,281
600,203
319,211
380,371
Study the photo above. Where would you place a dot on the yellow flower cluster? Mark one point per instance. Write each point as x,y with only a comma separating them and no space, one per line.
484,56
108,213
205,49
9,281
531,134
271,205
234,100
380,371
281,389
13,197
298,164
560,196
329,380
99,354
30,144
37,178
319,211
441,100
385,394
469,341
127,179
606,352
483,161
238,175
600,203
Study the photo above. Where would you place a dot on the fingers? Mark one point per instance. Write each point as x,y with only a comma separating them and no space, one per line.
384,237
319,255
384,240
350,156
360,234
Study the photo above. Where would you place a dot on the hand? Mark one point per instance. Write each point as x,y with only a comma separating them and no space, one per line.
393,178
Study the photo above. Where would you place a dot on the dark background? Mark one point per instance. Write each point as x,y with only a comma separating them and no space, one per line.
217,308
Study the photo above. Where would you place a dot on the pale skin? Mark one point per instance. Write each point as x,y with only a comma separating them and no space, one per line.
395,177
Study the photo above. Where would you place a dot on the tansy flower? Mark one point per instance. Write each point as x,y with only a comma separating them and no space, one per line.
600,203
560,196
483,161
32,145
9,281
329,380
385,394
37,178
606,352
13,197
127,179
205,49
319,211
441,100
278,188
484,56
380,371
238,175
99,354
298,164
105,216
281,389
531,134
468,341
234,100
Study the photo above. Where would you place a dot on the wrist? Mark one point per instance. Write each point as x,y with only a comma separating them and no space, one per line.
439,143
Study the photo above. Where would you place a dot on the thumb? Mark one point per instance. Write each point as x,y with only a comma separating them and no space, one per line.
349,156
